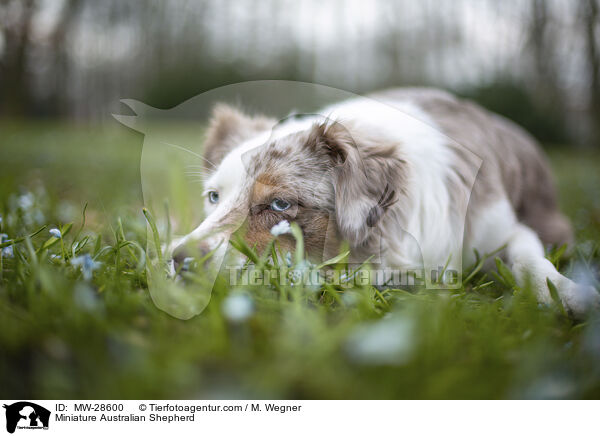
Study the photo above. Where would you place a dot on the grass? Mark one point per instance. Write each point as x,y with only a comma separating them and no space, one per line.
71,329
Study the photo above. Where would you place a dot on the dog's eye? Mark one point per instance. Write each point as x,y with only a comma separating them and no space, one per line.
279,205
213,197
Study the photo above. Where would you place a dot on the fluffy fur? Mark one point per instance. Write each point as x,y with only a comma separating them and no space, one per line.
416,177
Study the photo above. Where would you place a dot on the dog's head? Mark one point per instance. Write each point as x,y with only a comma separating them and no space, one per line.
333,180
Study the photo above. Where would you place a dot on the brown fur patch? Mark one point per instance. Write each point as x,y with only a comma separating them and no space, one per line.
369,174
341,181
267,179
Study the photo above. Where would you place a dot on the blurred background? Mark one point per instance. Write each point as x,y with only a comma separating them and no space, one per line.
536,61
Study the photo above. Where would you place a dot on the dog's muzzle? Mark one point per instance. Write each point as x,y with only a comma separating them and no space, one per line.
185,259
188,254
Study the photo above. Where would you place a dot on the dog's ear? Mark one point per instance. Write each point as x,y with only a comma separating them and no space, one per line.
227,128
368,176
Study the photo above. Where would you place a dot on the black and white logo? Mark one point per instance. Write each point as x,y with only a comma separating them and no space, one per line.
26,415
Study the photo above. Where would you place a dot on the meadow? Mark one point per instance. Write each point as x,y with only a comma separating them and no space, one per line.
77,320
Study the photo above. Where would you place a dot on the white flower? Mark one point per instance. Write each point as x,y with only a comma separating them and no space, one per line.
238,307
8,251
281,228
385,342
55,232
87,265
85,297
39,217
350,298
26,201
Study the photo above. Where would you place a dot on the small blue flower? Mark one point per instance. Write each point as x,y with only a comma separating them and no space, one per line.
3,237
345,277
87,265
281,228
56,233
188,262
8,251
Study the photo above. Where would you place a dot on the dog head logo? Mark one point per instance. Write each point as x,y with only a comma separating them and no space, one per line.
26,415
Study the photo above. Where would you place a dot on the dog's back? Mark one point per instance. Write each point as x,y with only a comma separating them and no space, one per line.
513,164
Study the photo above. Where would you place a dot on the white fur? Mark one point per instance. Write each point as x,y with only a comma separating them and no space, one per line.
424,147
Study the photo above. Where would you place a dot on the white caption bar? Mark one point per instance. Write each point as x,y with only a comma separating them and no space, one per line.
249,417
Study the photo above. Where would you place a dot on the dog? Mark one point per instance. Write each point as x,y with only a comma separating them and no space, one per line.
415,176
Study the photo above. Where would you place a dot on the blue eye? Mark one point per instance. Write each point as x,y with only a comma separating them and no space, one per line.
279,205
213,197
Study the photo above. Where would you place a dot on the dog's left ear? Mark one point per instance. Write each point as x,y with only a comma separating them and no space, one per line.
227,129
368,174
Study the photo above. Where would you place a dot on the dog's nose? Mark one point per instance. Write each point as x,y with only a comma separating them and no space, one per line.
185,258
182,260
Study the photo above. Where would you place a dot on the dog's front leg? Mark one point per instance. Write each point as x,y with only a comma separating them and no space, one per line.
525,253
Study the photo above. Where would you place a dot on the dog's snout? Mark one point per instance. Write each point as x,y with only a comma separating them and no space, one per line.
180,258
185,257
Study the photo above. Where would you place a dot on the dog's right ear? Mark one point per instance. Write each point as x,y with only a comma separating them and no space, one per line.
367,173
229,127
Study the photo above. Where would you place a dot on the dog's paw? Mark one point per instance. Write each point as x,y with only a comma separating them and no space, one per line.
578,299
526,273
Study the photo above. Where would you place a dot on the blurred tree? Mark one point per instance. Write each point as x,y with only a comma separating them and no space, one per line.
21,49
591,26
16,18
545,102
541,46
513,100
60,57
